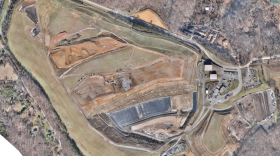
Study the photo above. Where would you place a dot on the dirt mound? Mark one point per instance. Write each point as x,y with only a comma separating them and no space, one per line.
67,56
151,17
59,37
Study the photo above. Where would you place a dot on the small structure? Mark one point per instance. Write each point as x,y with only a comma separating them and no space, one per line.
206,91
125,82
213,76
208,67
35,31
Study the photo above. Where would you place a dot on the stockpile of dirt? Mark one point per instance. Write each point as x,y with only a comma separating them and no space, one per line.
150,16
67,56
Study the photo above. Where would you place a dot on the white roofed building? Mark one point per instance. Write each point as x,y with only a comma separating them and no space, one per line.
213,77
208,68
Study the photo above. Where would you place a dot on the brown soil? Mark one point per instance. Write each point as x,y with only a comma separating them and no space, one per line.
261,106
238,127
28,2
159,127
246,108
57,38
67,56
182,102
92,92
7,71
89,89
161,70
150,17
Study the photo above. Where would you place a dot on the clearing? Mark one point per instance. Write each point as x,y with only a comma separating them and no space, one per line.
212,138
7,71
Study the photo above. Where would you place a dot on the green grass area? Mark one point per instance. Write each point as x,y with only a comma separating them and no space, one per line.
4,9
90,11
275,1
71,81
70,23
46,10
31,55
141,57
233,85
212,138
109,62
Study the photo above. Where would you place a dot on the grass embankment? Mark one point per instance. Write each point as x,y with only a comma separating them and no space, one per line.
212,138
233,85
242,93
31,55
4,9
46,10
199,105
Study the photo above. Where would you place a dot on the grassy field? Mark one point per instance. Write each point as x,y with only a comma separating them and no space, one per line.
212,138
141,57
32,57
87,33
71,81
72,22
46,9
199,106
109,62
4,9
240,94
233,85
271,72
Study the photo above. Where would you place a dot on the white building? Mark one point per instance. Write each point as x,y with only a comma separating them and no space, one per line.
213,76
208,67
